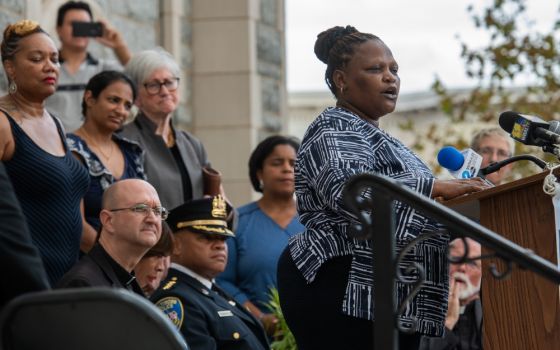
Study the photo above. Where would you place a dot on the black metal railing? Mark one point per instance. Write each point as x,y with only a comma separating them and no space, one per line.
382,194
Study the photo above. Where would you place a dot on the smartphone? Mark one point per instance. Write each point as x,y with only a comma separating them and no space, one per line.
87,29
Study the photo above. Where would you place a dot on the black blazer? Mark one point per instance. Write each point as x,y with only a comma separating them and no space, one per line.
208,319
95,270
21,266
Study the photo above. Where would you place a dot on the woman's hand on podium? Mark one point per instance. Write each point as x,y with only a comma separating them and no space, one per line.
449,189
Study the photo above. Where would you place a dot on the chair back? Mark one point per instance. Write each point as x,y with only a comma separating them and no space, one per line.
86,318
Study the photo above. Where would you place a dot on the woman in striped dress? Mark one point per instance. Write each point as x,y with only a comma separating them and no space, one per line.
48,181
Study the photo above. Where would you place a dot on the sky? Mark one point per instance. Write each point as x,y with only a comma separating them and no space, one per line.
422,34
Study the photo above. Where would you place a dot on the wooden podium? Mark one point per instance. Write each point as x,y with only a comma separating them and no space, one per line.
522,311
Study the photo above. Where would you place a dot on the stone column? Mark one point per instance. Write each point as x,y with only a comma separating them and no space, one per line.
238,90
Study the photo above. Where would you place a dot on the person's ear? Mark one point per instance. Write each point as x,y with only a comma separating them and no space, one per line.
9,69
88,98
138,101
339,79
177,245
106,218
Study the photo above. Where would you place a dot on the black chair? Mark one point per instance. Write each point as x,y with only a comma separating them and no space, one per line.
86,318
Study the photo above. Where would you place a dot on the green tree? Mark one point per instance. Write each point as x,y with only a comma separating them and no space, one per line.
517,69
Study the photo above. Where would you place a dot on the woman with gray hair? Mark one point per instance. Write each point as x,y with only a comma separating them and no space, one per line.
174,158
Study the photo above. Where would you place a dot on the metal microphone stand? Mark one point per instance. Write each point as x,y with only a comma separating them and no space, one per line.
498,165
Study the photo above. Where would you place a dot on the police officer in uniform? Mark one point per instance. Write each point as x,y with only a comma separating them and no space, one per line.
206,316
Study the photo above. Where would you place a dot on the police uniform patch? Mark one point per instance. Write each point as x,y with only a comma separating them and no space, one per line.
173,308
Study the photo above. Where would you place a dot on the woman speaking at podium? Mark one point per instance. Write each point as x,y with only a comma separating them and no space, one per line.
325,277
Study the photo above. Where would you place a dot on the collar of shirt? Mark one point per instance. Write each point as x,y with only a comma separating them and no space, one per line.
205,282
124,276
143,121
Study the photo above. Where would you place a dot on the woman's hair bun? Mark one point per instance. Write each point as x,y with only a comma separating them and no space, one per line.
328,38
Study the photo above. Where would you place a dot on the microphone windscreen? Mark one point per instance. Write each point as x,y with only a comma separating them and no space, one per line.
507,119
450,158
554,126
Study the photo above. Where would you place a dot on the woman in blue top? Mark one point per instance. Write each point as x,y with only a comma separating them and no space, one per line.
326,284
264,228
108,157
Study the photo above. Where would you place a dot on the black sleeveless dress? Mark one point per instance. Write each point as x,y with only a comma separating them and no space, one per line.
49,189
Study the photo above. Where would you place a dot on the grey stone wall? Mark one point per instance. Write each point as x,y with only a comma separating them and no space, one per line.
183,115
10,12
271,65
137,21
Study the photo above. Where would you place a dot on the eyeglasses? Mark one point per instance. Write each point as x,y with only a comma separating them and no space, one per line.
154,87
145,209
489,151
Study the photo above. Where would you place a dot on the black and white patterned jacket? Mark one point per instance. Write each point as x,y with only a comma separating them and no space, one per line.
337,145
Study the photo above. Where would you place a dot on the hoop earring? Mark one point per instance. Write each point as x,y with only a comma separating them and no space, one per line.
12,87
261,185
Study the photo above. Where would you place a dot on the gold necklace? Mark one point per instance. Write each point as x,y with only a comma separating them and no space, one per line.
170,139
90,140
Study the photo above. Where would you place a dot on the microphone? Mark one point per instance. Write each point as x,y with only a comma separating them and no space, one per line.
461,165
530,130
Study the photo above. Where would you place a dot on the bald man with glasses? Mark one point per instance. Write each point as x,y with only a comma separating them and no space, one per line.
131,224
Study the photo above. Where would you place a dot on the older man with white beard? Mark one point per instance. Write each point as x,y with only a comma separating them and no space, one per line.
463,322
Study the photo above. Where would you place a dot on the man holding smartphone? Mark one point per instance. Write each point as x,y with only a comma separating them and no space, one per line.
75,26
